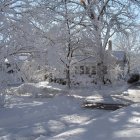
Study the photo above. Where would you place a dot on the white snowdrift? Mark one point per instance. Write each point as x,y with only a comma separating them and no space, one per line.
37,90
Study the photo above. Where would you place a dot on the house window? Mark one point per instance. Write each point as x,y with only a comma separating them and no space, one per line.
39,68
76,70
8,65
87,70
105,70
93,70
81,69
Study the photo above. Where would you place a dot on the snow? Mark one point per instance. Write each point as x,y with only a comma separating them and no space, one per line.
61,117
123,124
29,118
38,89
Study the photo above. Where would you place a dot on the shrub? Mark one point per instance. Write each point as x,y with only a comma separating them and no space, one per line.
2,100
61,81
133,78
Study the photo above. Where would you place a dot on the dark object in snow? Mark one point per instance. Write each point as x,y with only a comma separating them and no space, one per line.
133,78
61,81
104,106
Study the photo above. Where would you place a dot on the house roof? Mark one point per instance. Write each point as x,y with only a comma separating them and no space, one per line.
85,59
116,55
119,55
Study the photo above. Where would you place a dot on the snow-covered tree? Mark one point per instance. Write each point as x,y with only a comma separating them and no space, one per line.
129,43
62,35
28,27
104,19
100,19
18,33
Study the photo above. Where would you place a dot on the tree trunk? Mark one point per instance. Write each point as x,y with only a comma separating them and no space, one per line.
100,70
128,66
99,57
68,76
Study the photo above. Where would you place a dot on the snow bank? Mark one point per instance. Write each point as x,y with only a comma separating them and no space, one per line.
38,90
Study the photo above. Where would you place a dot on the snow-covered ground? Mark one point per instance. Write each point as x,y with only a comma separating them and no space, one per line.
61,117
123,124
29,118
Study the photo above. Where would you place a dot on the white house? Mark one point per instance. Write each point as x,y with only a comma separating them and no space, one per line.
84,60
87,64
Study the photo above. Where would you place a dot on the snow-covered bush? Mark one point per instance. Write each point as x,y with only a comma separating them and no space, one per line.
83,80
3,83
2,100
36,90
33,72
4,78
115,74
133,78
28,88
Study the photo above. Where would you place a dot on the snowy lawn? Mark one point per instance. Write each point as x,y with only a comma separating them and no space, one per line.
62,118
